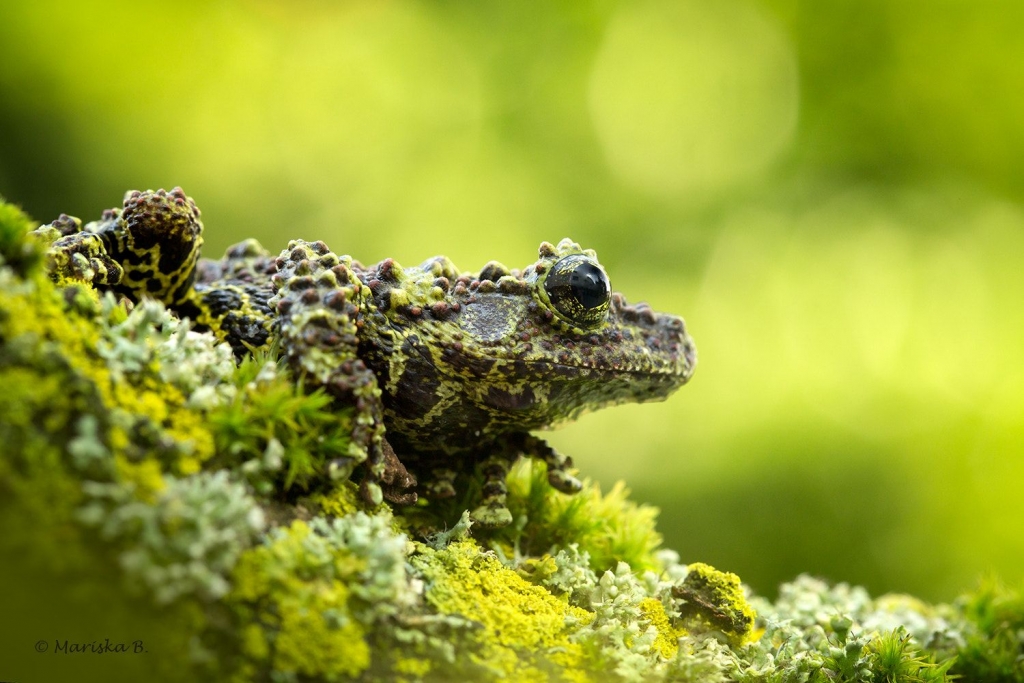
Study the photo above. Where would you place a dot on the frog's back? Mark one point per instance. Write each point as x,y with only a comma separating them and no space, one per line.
232,297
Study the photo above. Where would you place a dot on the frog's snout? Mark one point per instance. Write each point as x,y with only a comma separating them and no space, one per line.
679,344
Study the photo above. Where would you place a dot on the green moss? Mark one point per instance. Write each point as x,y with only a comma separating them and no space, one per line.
994,646
23,255
895,658
609,527
278,434
412,668
82,598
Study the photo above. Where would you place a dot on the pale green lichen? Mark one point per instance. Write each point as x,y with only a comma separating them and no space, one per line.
135,448
151,338
184,543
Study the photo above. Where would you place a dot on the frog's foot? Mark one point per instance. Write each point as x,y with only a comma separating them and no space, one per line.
558,465
441,484
81,257
492,511
397,484
352,383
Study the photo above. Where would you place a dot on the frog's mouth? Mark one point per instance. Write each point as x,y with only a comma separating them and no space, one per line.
632,383
674,374
573,379
637,345
547,393
502,385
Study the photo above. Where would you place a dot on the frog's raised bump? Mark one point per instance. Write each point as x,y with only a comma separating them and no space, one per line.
451,369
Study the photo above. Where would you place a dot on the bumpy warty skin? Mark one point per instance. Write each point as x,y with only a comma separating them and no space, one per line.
474,357
447,371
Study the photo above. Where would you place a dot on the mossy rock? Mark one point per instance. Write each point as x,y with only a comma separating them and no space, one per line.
166,515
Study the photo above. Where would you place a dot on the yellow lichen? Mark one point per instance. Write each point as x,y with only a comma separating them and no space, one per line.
340,501
308,642
667,642
145,476
253,643
307,627
732,614
524,627
414,667
35,316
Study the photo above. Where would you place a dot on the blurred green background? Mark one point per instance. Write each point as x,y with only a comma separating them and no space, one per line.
830,193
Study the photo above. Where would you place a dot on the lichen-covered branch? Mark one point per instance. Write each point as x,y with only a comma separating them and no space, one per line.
147,473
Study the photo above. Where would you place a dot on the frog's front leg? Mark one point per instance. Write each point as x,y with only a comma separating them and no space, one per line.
320,301
558,464
492,511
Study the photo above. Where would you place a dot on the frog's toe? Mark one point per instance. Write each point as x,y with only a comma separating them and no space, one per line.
397,483
341,468
441,484
564,482
371,492
491,516
399,496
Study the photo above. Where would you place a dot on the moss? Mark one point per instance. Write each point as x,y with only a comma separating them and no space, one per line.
412,668
81,598
138,417
278,434
994,644
23,255
895,658
609,527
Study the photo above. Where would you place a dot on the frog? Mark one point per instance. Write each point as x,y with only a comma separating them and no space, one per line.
449,373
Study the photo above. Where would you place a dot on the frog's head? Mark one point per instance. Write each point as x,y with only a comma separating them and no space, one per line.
538,345
588,334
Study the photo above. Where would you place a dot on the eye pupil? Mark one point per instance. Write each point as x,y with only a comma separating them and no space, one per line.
588,285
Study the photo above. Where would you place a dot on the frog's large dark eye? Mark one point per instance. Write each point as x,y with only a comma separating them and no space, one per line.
578,289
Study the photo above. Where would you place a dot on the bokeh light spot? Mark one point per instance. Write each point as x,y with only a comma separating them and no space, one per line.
691,97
